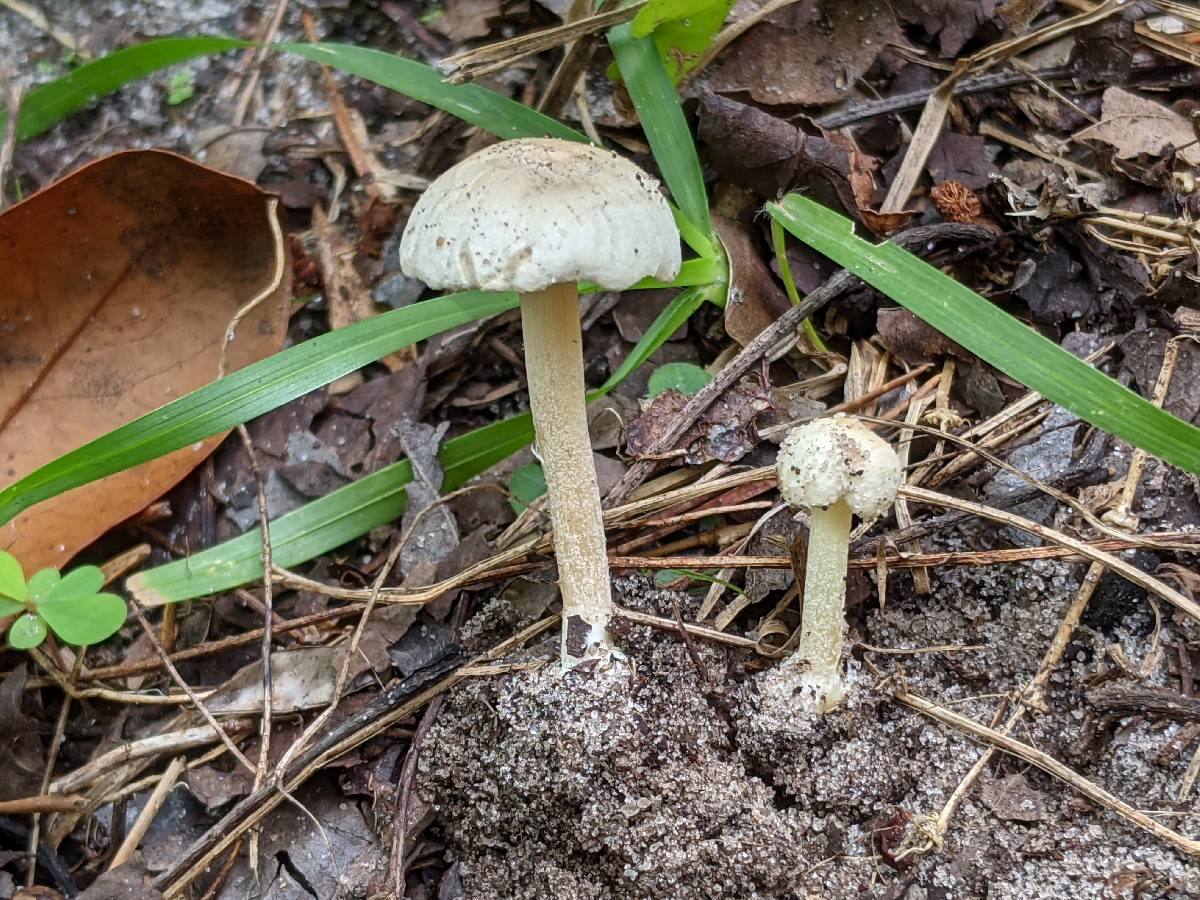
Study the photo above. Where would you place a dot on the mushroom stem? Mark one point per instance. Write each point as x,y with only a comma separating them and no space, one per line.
554,364
824,616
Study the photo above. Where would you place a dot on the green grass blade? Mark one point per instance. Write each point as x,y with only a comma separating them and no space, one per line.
352,511
52,102
992,334
324,524
488,110
250,392
663,121
678,311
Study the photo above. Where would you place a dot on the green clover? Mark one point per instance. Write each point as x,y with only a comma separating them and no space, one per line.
71,605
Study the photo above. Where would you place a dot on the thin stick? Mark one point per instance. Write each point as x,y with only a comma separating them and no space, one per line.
60,727
146,817
243,103
787,326
145,748
264,745
187,689
1052,767
9,142
1125,570
394,704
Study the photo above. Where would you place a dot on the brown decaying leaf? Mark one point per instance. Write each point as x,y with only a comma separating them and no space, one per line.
726,432
1133,125
347,294
809,55
762,153
120,283
755,298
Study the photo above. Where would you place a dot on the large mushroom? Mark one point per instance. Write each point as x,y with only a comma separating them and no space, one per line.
837,468
538,216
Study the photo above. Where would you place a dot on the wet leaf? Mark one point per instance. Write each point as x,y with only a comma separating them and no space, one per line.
12,581
27,632
73,607
120,283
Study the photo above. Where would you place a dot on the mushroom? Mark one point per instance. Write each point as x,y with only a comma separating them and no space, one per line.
538,216
837,468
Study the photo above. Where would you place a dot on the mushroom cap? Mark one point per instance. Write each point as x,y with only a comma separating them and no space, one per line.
525,214
834,459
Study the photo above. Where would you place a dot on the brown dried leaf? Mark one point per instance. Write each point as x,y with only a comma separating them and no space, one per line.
464,20
1133,125
812,61
913,340
755,298
726,432
347,294
120,284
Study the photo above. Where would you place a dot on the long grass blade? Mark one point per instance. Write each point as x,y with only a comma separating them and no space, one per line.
352,511
992,334
486,109
335,519
666,129
247,393
50,103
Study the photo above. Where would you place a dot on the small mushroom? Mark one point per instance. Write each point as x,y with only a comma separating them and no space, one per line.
538,216
837,468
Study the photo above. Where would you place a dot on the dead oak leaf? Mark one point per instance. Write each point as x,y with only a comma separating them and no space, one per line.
1133,125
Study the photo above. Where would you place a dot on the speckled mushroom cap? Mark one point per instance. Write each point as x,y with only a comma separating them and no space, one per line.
834,459
523,215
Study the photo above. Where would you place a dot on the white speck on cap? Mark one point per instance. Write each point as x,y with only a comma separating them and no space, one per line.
834,459
525,214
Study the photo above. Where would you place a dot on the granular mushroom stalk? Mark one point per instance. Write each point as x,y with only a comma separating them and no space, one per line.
837,468
537,216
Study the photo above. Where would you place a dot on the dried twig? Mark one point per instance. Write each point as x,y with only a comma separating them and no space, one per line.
493,57
786,327
259,55
8,139
146,817
1052,767
395,703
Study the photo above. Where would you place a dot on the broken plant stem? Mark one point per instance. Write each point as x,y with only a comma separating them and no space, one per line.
146,817
1052,767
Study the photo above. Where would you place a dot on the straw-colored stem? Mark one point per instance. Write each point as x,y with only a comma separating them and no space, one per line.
554,364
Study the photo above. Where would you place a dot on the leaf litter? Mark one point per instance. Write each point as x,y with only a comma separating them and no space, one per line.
1091,244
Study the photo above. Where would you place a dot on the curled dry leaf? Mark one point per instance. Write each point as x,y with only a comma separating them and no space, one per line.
755,298
120,283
